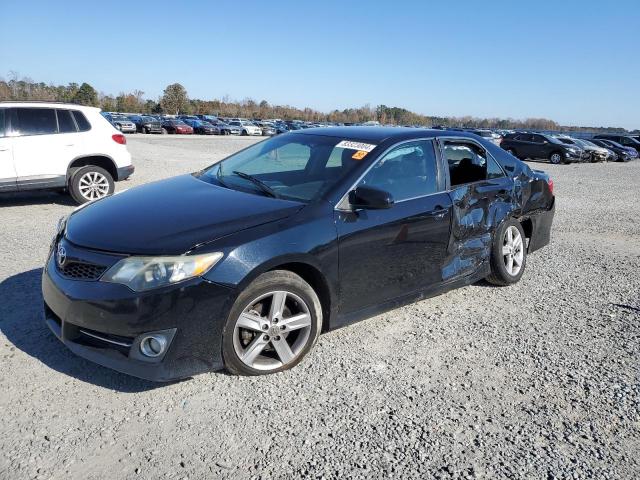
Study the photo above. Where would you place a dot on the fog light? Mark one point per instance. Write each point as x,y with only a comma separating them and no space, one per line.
153,345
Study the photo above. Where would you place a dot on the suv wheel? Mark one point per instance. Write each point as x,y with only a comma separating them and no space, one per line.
555,158
90,183
272,325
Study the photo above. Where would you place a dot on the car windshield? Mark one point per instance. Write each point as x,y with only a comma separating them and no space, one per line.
120,118
148,119
294,166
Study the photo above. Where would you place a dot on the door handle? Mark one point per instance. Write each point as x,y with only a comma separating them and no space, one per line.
439,212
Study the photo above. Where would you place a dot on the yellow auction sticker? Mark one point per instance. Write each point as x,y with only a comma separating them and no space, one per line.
359,155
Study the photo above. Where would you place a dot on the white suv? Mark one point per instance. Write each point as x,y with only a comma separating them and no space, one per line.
60,146
246,127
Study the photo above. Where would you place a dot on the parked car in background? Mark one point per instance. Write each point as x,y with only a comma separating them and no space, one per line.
202,128
536,146
146,124
208,118
624,154
596,153
225,128
246,127
123,124
299,234
268,129
61,147
489,135
624,140
176,126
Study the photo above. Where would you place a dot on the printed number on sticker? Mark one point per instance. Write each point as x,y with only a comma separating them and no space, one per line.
365,147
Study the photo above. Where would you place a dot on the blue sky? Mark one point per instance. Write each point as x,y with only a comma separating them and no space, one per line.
574,62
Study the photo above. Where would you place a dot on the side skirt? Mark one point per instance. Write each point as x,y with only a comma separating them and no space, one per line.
342,320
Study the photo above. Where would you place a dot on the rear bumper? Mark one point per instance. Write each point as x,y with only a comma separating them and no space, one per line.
541,228
125,172
105,323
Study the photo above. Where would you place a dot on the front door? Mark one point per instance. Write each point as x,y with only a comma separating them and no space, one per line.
385,254
7,169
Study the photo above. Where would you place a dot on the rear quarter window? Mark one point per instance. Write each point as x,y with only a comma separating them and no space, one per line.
81,121
65,122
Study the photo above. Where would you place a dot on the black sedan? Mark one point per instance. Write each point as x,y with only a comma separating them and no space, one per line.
201,127
242,264
146,124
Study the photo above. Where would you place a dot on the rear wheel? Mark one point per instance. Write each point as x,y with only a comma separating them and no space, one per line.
508,254
555,158
272,325
90,183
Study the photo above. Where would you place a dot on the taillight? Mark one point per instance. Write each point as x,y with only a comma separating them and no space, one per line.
550,183
119,138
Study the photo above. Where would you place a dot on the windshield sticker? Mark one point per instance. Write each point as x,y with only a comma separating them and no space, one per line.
365,147
359,155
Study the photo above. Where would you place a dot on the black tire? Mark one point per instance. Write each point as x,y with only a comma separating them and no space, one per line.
276,280
164,131
499,274
244,133
76,177
556,158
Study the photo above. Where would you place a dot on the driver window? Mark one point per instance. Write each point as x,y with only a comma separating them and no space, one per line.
408,171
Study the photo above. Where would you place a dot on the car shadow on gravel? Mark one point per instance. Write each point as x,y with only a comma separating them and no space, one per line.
21,322
20,199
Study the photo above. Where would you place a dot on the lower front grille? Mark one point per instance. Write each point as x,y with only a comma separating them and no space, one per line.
81,271
93,338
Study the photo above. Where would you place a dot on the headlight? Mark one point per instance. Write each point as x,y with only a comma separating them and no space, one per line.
145,273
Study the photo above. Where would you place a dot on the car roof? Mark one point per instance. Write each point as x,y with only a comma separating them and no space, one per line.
381,134
13,104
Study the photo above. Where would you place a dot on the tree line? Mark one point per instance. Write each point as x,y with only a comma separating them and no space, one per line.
175,100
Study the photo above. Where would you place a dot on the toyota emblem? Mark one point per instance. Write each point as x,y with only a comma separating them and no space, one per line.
61,256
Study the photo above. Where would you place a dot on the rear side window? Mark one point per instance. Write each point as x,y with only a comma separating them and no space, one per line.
65,122
469,163
36,121
81,120
2,120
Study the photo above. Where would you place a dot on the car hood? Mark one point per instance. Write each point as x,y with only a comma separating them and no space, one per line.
171,216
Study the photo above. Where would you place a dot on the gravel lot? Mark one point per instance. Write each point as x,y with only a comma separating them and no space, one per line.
537,380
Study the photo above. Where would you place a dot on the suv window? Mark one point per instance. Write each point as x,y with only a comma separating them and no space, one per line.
81,120
408,171
36,121
469,163
538,139
65,122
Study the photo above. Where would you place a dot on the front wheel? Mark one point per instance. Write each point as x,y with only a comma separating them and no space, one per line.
272,325
90,183
508,254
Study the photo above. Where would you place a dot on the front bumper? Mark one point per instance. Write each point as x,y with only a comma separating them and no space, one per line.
105,322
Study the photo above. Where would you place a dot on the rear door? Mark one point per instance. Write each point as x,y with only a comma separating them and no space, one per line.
7,169
385,254
481,194
41,154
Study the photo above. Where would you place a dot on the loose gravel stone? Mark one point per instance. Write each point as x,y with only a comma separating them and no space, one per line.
536,380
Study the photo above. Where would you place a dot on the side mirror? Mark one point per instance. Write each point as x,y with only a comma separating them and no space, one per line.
370,198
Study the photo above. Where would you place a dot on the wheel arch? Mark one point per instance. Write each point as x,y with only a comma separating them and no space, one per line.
102,161
309,270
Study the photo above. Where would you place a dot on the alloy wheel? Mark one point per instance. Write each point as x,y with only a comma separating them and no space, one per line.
93,185
513,250
556,158
272,330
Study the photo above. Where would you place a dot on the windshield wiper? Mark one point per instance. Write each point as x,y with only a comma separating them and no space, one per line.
219,176
259,183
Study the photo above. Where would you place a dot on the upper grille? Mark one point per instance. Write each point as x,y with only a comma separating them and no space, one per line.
81,271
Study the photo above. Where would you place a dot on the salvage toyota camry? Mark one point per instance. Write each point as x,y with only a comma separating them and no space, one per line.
243,264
